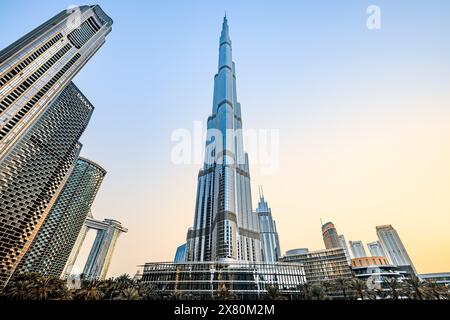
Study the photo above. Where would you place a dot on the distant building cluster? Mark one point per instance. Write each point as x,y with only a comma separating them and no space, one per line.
46,188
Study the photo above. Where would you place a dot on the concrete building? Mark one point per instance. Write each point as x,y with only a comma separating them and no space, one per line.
321,265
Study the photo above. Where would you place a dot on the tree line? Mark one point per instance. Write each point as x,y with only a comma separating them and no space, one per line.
35,286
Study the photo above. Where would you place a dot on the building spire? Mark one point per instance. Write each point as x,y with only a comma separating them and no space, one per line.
225,36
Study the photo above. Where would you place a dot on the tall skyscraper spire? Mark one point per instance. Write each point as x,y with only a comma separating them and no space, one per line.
224,226
270,243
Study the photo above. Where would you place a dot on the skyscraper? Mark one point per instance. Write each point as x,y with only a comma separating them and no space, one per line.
37,150
357,248
270,244
345,247
225,226
180,255
55,240
376,249
108,231
330,236
394,249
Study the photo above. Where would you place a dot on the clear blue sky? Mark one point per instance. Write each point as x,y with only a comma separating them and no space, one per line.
308,68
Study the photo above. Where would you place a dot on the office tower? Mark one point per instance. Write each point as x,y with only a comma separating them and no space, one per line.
37,148
330,236
357,248
376,249
180,255
54,242
270,244
321,265
394,249
34,171
345,247
225,226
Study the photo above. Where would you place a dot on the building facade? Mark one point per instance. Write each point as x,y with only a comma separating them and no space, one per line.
242,279
56,238
225,226
345,247
376,249
180,255
357,248
374,271
36,158
441,278
330,236
322,265
394,249
270,243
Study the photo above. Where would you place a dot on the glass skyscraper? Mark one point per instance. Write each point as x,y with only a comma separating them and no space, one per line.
357,248
394,249
270,243
38,143
56,238
225,226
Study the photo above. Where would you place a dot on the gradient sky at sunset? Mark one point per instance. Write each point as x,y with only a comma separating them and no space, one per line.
363,116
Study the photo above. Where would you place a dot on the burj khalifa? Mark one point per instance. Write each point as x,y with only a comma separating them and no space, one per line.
225,226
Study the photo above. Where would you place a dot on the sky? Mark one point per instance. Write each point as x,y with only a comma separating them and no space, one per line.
363,116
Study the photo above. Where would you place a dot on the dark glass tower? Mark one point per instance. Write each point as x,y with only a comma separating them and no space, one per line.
225,226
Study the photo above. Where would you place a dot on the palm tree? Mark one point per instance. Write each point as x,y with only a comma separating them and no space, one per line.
436,291
273,293
44,287
394,287
359,286
18,290
147,291
415,286
342,285
129,294
90,290
305,291
318,292
224,293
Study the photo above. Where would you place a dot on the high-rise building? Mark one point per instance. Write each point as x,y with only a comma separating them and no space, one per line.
33,172
394,249
345,247
357,248
376,249
270,244
180,255
99,259
36,155
330,236
56,238
225,226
